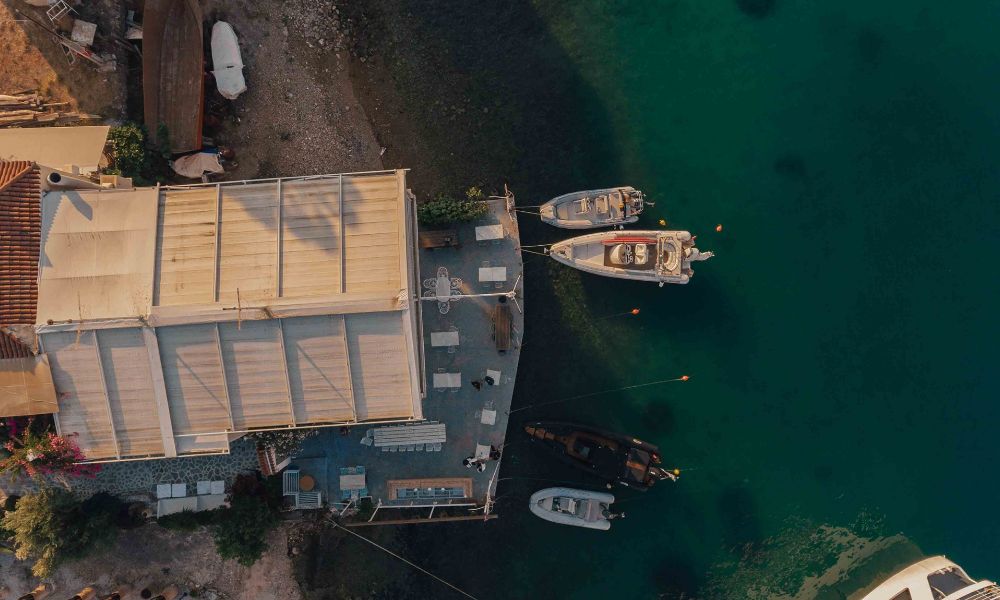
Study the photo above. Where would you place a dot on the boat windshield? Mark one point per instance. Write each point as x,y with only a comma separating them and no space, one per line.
637,464
565,505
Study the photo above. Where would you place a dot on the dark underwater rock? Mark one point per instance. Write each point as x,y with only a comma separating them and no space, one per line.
757,9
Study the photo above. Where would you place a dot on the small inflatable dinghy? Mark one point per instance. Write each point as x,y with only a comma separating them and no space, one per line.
580,508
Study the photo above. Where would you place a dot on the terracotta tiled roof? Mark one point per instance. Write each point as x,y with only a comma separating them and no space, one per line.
20,239
11,347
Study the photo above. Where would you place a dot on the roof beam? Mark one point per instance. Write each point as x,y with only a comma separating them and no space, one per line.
216,275
284,364
350,373
343,240
107,396
225,378
280,242
160,392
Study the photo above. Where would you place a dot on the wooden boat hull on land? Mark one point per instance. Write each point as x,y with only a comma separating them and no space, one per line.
172,71
660,256
568,506
590,209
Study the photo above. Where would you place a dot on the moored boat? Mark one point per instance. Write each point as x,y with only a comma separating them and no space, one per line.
580,508
661,256
613,457
933,579
594,208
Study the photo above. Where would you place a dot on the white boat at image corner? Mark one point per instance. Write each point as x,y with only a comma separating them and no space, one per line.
589,209
568,506
935,578
661,256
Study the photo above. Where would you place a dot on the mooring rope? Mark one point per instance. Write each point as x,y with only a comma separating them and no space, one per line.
415,566
627,387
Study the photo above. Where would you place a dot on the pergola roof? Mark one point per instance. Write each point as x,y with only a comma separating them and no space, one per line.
262,305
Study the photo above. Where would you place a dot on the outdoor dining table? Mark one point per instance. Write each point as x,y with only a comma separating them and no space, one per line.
492,273
442,288
447,380
489,232
444,338
354,481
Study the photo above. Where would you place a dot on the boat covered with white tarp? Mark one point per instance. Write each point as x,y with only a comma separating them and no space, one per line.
227,63
661,256
594,208
568,506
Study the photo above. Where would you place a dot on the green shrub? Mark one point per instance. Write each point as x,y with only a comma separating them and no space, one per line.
284,442
128,151
241,529
182,521
444,209
475,194
53,526
188,520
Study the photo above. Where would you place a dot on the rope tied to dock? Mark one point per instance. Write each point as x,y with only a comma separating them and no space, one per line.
412,564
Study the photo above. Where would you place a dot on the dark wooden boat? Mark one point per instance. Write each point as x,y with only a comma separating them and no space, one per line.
611,456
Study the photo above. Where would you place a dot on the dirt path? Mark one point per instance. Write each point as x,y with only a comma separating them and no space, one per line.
299,115
154,557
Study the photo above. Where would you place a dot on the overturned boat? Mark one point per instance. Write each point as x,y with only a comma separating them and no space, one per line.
661,256
594,208
580,508
613,457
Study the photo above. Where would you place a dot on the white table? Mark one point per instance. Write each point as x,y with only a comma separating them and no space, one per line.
444,338
492,273
352,482
163,490
482,452
494,375
442,289
489,417
489,232
447,380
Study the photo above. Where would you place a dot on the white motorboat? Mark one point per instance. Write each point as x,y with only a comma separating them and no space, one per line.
568,506
935,578
661,256
594,208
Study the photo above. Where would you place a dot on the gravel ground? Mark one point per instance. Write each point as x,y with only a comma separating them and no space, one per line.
299,115
33,60
154,557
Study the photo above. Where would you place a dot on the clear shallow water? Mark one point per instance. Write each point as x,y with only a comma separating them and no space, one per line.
842,343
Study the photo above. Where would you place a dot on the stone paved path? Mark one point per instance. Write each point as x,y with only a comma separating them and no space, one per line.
138,479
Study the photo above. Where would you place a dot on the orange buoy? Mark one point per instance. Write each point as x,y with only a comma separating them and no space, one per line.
635,311
663,222
685,377
718,228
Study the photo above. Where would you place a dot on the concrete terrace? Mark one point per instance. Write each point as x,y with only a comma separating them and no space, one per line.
460,409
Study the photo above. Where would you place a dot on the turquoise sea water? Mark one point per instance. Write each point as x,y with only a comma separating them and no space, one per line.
842,344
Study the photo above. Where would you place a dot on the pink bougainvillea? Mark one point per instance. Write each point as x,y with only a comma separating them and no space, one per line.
43,453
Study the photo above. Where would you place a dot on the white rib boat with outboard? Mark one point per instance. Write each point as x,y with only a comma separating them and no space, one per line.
661,256
580,508
594,208
935,578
